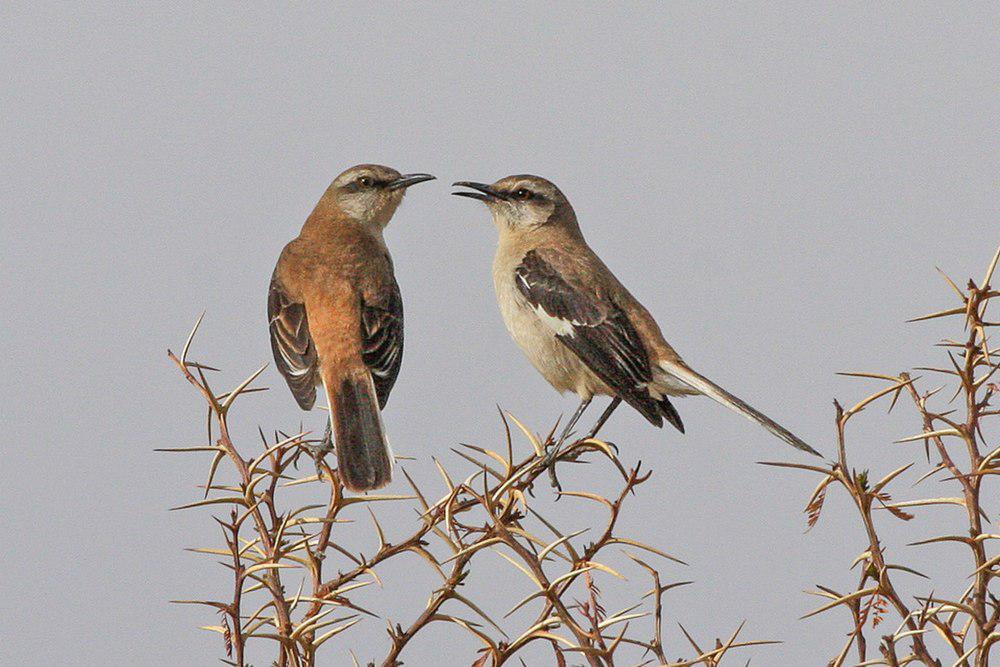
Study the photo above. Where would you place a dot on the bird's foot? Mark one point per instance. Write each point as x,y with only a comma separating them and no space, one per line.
593,436
549,462
318,452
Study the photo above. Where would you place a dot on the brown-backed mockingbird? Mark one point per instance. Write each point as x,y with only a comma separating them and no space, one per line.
336,317
576,323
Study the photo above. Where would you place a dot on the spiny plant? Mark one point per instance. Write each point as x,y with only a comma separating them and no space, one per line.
271,548
958,431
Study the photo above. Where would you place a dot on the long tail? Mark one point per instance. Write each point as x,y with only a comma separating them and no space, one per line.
364,458
717,393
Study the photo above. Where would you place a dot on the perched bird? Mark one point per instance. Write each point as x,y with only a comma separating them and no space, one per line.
336,317
577,324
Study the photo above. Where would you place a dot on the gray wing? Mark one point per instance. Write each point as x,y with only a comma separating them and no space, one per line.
598,331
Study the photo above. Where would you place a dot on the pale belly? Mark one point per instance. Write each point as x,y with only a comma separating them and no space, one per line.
556,362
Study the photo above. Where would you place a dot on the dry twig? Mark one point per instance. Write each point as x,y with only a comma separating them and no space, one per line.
968,621
267,545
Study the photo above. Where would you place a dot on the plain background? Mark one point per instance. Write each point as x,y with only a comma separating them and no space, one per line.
775,182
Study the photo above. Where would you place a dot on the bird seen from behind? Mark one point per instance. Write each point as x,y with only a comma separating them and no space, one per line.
577,324
336,317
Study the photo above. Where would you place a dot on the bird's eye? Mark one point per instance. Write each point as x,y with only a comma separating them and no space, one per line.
522,193
366,181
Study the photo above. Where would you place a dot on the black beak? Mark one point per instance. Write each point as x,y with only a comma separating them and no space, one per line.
485,192
406,180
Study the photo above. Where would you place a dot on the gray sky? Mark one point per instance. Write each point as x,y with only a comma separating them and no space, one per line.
775,183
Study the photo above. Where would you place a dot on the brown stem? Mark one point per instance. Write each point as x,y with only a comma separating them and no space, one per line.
399,641
237,630
271,578
582,637
863,501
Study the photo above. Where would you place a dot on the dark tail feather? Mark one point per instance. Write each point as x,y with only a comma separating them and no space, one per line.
670,413
363,455
655,410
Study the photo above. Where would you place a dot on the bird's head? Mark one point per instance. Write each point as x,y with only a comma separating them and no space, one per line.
520,202
371,193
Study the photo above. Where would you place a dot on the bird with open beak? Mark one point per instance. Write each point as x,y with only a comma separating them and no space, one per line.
336,317
579,326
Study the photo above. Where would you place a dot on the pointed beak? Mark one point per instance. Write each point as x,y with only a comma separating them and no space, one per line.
406,180
483,192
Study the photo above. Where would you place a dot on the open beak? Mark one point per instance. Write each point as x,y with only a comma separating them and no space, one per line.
483,192
406,180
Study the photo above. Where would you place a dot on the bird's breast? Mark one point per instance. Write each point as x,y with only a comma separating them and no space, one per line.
518,315
556,362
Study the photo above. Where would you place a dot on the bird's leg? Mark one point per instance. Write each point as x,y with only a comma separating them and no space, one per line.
550,457
325,447
615,402
572,422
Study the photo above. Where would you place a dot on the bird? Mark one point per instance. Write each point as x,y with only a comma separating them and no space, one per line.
577,324
335,317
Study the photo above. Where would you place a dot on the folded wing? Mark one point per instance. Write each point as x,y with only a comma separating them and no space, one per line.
382,338
597,330
293,348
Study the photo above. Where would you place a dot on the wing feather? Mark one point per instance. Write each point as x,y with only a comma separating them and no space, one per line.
597,330
292,346
382,339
